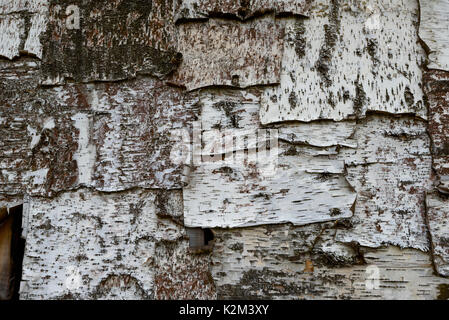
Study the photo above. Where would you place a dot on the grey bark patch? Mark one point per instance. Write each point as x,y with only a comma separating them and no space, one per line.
181,274
331,32
437,217
436,84
119,286
299,41
115,41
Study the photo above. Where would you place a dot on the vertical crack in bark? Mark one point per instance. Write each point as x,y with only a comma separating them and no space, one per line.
433,89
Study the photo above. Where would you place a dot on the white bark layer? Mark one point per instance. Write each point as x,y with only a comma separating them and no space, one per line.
91,245
338,65
391,170
433,31
297,184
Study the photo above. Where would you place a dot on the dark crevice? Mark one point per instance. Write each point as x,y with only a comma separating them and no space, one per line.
11,271
200,240
243,15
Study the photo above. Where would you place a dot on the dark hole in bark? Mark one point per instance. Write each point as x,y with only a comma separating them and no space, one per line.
208,236
235,80
12,248
200,240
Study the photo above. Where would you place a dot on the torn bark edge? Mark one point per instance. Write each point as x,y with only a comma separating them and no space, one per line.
430,238
423,43
438,186
249,16
355,246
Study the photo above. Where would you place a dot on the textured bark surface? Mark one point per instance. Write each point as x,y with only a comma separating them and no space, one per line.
229,53
115,40
201,9
5,254
336,65
60,138
286,262
124,122
437,88
433,31
305,184
39,139
109,246
21,25
390,170
437,215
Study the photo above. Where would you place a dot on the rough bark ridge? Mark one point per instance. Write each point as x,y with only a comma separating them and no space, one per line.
99,101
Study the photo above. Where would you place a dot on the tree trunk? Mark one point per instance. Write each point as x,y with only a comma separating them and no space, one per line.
301,144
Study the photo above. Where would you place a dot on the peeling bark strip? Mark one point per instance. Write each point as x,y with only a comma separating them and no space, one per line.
297,184
339,64
239,109
321,134
433,30
241,9
391,171
231,196
270,262
90,236
21,25
39,138
115,40
437,91
438,223
41,159
229,53
107,245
